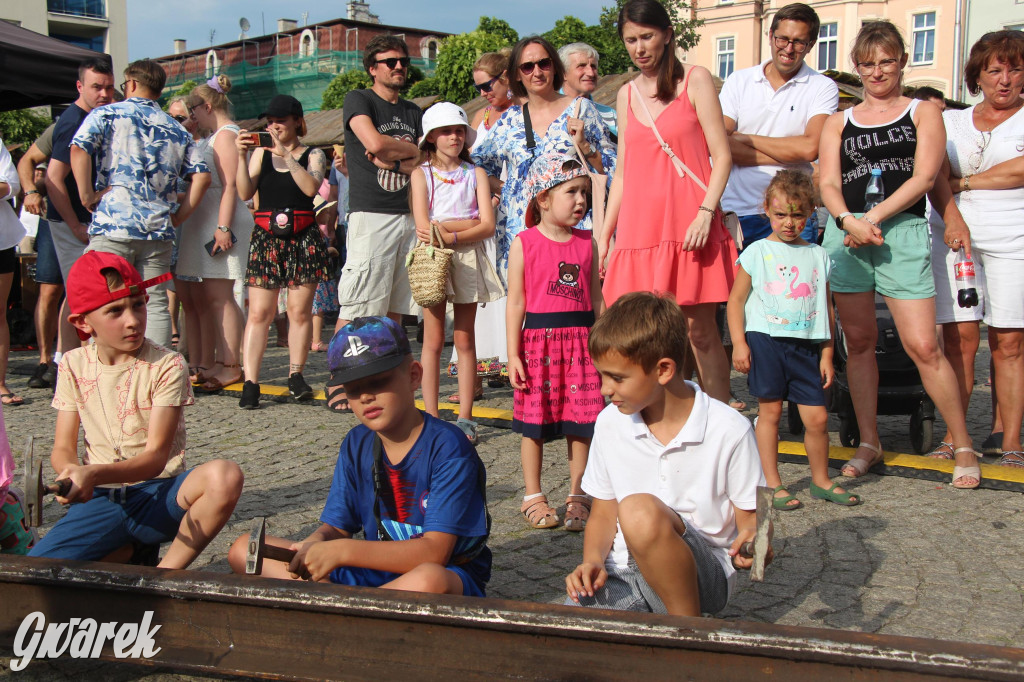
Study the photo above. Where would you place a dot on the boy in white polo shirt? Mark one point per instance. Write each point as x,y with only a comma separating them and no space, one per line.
774,113
673,474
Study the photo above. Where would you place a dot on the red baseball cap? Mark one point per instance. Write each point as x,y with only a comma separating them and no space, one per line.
87,287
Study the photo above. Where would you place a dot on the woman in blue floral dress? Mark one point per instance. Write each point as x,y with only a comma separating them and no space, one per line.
536,75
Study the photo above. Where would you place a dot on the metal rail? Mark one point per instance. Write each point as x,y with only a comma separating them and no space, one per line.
253,626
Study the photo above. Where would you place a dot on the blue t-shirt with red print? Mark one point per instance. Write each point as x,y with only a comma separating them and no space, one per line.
436,487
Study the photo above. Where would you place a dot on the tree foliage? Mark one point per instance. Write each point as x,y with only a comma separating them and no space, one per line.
22,126
185,88
334,95
423,88
499,27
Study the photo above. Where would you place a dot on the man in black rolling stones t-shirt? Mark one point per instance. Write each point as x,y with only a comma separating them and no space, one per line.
381,135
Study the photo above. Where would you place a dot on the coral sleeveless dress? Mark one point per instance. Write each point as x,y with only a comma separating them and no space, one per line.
657,208
564,392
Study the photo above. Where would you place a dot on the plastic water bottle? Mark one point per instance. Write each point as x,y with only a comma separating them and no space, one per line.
875,192
966,289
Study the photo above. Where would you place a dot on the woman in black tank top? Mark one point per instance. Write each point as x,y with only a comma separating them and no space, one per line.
287,249
887,249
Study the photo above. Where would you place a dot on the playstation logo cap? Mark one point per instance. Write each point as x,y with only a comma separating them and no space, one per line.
364,347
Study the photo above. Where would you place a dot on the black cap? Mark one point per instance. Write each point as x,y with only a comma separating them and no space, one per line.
283,105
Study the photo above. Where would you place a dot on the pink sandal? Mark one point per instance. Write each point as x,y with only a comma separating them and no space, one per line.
577,512
538,514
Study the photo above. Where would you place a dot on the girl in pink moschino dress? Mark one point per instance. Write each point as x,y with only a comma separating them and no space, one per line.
554,298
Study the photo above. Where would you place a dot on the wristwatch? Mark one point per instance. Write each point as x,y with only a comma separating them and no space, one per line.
397,167
224,228
841,217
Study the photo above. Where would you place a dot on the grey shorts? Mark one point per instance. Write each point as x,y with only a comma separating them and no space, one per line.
627,590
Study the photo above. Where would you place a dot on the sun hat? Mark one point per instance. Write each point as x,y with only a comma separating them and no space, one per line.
444,114
549,170
364,347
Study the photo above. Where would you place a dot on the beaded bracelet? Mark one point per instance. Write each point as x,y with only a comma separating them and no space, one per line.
705,208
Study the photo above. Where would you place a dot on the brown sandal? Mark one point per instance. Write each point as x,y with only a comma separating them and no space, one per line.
214,385
538,514
577,512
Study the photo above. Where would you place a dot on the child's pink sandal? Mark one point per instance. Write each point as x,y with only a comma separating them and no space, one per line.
538,514
577,512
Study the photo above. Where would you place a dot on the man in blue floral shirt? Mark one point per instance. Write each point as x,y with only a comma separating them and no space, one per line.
141,155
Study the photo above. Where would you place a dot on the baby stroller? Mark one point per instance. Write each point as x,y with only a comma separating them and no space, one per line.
899,387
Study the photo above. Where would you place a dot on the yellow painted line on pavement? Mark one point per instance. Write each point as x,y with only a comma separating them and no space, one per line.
896,459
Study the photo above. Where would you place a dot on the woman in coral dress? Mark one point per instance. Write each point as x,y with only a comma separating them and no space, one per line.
663,210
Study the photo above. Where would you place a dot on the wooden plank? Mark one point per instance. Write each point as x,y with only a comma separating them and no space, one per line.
255,626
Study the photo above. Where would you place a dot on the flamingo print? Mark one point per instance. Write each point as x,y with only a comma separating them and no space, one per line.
802,290
778,286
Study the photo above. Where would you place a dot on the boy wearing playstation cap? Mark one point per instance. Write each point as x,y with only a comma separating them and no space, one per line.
402,475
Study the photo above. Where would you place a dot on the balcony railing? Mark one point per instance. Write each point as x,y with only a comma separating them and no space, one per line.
94,9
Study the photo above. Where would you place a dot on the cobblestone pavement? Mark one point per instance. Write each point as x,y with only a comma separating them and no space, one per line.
918,558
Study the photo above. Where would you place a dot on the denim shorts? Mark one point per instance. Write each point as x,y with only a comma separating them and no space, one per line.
782,368
47,266
146,513
900,268
369,577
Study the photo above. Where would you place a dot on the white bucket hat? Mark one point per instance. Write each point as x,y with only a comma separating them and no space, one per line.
444,114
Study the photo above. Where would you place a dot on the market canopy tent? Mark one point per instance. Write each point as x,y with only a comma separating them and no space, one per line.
36,69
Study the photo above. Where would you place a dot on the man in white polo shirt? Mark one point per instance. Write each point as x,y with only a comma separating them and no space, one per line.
774,113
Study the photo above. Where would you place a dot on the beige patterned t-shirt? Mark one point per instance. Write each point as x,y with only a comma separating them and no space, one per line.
114,402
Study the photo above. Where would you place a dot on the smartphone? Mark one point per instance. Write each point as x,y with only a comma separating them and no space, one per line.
213,242
264,139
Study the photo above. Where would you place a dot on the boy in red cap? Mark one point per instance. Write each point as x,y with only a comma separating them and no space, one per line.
128,393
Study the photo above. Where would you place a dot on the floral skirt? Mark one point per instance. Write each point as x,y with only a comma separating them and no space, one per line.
278,263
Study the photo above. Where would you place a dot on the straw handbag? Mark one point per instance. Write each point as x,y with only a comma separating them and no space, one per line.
429,267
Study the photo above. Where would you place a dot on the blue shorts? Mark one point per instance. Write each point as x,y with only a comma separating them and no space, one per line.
369,577
784,368
47,267
146,514
758,226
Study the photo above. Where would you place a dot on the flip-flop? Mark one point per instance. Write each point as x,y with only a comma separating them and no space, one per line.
783,503
11,400
846,499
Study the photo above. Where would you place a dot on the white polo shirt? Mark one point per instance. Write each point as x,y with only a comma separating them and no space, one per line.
758,109
709,466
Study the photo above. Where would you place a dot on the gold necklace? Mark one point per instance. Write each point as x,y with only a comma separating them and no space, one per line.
103,408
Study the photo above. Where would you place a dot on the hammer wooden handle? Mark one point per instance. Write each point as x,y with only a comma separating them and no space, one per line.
61,488
278,553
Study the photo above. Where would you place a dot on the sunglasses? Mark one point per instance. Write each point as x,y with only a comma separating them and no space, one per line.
392,62
526,68
486,87
180,119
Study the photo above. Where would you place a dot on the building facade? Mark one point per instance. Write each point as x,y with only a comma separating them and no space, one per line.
735,35
298,61
100,25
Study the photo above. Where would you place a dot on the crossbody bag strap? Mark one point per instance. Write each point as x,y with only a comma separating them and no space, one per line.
676,161
531,143
378,486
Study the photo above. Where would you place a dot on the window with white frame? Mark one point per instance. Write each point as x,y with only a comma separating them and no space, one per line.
828,45
726,51
924,38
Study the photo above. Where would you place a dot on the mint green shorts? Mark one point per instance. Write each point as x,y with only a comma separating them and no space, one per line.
900,268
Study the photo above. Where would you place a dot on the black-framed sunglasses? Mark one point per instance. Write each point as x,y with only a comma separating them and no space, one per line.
526,68
179,118
799,46
486,87
392,62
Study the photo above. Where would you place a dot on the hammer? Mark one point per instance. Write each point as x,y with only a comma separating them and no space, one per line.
258,549
34,488
758,548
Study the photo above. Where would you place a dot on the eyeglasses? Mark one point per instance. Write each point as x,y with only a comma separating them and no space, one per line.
392,62
799,46
977,157
486,87
885,65
526,68
180,119
126,82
